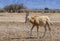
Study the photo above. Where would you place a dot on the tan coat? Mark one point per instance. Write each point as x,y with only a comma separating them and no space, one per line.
39,20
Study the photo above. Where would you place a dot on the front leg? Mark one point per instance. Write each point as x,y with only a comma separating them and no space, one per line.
31,30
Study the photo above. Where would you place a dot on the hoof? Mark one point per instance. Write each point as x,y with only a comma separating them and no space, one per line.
30,37
39,37
33,37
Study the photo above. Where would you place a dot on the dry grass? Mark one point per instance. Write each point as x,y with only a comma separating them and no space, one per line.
15,32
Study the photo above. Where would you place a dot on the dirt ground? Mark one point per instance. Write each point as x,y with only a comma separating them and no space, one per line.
19,31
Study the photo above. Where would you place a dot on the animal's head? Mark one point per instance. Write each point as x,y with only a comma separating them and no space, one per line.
26,18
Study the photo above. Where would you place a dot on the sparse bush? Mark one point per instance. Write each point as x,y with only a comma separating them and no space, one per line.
1,10
14,8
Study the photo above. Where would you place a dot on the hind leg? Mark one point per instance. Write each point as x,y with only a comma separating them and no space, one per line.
48,24
44,32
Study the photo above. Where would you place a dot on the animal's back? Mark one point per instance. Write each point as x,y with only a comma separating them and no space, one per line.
41,20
